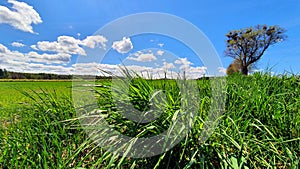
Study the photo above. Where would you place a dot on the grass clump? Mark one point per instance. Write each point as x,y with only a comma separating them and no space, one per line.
259,128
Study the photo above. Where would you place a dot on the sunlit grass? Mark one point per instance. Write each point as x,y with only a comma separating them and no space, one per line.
259,129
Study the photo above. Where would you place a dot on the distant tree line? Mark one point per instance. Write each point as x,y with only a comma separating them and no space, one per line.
4,74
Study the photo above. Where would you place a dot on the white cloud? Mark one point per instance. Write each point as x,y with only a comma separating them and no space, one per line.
61,52
101,69
123,46
70,45
86,68
135,68
21,16
17,44
222,70
34,47
58,58
7,56
12,60
3,49
195,72
142,57
41,68
161,45
185,64
34,62
160,52
94,41
168,65
168,71
19,62
64,44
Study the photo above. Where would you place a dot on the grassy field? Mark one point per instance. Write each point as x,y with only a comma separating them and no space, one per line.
12,98
260,127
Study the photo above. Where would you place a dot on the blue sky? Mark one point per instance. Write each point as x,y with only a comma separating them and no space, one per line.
48,36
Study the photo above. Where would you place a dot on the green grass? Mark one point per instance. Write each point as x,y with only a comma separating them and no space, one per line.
11,95
259,129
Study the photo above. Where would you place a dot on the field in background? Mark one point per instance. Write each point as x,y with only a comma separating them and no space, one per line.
260,128
12,98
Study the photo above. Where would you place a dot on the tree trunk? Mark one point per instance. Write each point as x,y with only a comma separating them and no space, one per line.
245,70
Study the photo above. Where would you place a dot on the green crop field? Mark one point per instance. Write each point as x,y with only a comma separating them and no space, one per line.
260,127
11,92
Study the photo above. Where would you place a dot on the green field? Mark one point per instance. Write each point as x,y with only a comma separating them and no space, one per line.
260,127
11,92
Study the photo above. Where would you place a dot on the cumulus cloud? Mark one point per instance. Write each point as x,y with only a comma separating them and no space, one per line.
185,64
35,62
142,57
8,56
161,45
3,49
103,69
41,68
48,54
34,47
222,70
17,44
195,72
168,70
12,60
64,44
58,58
160,52
94,41
70,45
123,46
167,65
21,16
86,68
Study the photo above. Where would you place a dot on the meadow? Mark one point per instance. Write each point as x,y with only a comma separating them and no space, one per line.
260,127
12,98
